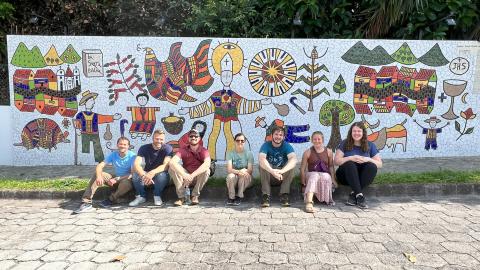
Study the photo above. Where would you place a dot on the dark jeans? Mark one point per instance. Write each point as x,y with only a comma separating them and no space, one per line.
160,181
357,176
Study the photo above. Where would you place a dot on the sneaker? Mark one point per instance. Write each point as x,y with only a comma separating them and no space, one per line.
138,200
266,200
194,200
230,202
352,200
285,200
361,201
237,201
84,207
179,202
106,203
157,200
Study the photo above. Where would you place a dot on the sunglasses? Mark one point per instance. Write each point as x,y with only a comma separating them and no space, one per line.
193,136
240,141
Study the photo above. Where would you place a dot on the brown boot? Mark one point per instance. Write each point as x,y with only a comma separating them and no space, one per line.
179,202
194,200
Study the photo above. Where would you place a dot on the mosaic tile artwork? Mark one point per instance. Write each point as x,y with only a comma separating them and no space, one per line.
73,97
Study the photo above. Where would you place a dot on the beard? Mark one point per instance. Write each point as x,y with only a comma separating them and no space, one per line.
277,141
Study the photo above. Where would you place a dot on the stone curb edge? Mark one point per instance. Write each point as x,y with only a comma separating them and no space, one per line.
219,193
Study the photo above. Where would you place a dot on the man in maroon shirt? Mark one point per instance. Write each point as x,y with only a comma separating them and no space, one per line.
195,170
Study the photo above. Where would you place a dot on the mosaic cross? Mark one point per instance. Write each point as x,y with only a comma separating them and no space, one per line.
442,97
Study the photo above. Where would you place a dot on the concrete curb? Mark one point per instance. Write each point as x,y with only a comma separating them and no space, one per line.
220,193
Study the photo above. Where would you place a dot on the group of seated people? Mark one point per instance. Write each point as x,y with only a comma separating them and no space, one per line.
154,164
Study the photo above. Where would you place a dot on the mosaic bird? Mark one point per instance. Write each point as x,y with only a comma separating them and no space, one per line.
169,80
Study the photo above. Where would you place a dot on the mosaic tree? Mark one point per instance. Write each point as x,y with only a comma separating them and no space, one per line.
312,79
336,113
339,87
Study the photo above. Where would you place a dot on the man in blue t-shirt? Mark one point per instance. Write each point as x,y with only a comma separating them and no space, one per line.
276,160
156,156
122,161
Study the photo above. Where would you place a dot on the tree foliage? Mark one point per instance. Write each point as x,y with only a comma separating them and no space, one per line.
6,14
402,19
237,18
406,19
151,18
431,21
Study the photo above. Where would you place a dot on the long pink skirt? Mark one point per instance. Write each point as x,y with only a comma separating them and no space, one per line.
321,185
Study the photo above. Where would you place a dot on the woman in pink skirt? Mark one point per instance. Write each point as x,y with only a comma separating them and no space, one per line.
317,173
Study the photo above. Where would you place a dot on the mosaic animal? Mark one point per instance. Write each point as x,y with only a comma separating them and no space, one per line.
389,137
169,80
42,133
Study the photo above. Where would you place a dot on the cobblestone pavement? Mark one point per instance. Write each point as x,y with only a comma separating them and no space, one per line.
441,234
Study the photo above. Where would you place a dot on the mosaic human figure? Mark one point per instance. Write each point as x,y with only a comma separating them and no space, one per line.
431,132
143,118
87,121
226,105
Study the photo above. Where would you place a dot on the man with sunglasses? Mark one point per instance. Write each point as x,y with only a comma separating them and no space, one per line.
194,171
277,161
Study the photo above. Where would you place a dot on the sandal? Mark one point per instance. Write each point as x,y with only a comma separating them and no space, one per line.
309,207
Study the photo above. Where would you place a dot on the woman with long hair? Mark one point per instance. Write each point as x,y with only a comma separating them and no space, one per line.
358,161
317,173
239,169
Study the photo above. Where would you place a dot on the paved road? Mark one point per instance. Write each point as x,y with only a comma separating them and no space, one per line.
441,234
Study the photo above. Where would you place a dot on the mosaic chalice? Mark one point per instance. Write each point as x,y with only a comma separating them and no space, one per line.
453,88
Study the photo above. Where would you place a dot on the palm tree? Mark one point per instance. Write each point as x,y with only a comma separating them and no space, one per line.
382,15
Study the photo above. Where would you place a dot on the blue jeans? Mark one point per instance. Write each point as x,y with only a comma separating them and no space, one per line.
160,181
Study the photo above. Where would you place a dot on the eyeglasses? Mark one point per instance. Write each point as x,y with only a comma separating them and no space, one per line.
240,141
193,136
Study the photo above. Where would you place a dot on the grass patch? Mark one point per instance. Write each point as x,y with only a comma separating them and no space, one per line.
443,177
49,185
440,177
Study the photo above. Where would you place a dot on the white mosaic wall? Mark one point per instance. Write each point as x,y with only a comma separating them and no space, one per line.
246,85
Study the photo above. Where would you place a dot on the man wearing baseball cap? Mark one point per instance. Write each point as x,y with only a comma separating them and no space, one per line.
195,169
